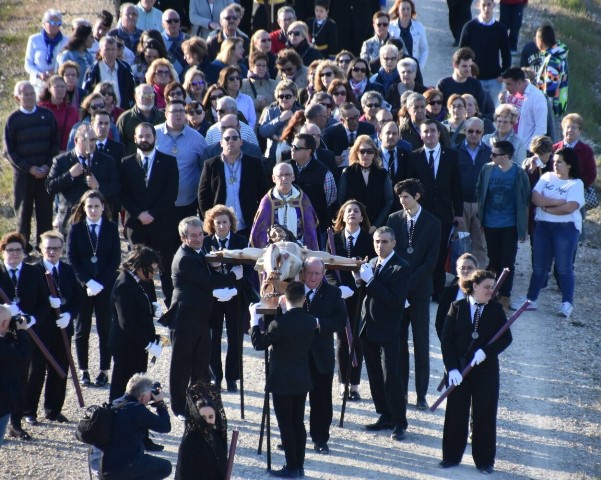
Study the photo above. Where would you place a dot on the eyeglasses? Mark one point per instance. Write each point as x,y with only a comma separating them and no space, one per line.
359,70
340,93
148,96
98,106
366,151
435,102
390,59
53,249
286,69
230,19
14,250
495,155
176,93
177,112
285,96
197,83
163,72
382,24
232,138
54,23
326,74
372,105
265,40
471,132
298,147
233,79
466,269
283,175
215,97
350,119
131,14
294,33
172,20
260,65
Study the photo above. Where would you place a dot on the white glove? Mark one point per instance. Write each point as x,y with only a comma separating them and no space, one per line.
14,309
237,270
346,292
479,357
407,304
32,321
154,349
55,302
254,316
94,288
224,294
63,320
455,377
366,272
157,310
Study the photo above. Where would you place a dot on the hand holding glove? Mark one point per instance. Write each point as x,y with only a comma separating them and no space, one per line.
237,270
157,310
345,292
55,302
224,294
479,357
63,320
32,321
94,288
254,316
455,377
366,272
14,309
154,349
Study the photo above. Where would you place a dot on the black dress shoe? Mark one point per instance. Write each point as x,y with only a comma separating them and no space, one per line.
32,420
280,447
354,396
101,380
321,447
150,446
85,379
18,432
381,424
487,470
422,404
231,386
57,417
447,464
285,472
398,434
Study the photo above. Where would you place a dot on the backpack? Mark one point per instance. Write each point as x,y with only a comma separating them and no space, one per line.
96,425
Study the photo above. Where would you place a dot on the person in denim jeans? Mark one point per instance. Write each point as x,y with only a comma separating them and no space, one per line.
559,195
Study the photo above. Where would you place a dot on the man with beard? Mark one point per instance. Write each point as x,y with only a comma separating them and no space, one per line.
143,111
150,181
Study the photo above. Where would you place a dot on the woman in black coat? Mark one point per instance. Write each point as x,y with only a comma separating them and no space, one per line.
298,39
470,324
132,331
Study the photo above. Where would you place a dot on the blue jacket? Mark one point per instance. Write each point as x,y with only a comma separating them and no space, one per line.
470,170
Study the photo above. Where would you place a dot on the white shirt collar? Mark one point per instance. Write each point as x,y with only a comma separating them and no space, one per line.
17,268
385,261
414,217
49,266
354,235
28,112
99,222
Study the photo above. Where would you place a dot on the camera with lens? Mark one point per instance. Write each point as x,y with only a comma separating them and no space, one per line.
156,388
18,319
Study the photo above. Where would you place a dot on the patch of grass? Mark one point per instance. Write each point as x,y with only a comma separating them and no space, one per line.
573,5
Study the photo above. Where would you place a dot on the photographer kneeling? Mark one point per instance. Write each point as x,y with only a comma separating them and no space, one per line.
124,457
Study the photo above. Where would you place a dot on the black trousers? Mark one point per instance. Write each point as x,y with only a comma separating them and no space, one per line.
511,16
190,355
344,360
460,12
40,369
29,193
439,274
229,311
126,364
382,363
146,468
502,246
290,413
23,372
418,316
481,390
320,401
101,306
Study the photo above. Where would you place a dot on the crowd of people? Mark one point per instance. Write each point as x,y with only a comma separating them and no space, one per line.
194,128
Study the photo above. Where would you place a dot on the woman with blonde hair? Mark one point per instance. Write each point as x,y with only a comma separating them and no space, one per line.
455,124
159,74
231,53
325,73
366,181
261,42
341,93
300,41
195,85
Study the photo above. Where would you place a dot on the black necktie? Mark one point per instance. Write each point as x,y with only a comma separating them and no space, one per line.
477,314
351,138
308,299
431,162
391,164
100,147
93,234
145,167
378,268
349,246
13,275
222,244
55,275
84,162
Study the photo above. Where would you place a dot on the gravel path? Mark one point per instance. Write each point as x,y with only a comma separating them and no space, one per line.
549,408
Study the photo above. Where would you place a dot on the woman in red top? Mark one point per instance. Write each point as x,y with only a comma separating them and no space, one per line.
53,97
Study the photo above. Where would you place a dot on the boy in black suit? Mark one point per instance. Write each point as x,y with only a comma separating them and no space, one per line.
289,379
323,30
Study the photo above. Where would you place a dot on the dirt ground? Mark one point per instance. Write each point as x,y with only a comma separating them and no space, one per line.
549,408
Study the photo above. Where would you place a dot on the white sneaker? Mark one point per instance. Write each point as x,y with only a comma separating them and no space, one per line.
516,304
565,309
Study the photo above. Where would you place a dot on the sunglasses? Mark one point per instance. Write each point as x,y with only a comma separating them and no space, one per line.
233,79
495,155
176,93
359,69
298,147
172,20
215,97
285,96
197,83
177,112
148,96
366,151
98,106
340,93
471,132
326,74
435,102
344,60
163,72
294,33
54,23
195,112
286,69
230,19
382,24
232,138
372,105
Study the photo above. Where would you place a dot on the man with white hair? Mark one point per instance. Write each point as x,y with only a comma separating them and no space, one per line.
388,74
127,31
229,20
409,126
227,106
173,38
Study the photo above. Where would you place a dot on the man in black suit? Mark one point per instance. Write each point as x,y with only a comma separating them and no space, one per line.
325,303
234,180
190,310
437,168
81,169
24,286
101,122
150,181
387,281
340,137
324,155
418,242
292,336
410,125
394,157
49,331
